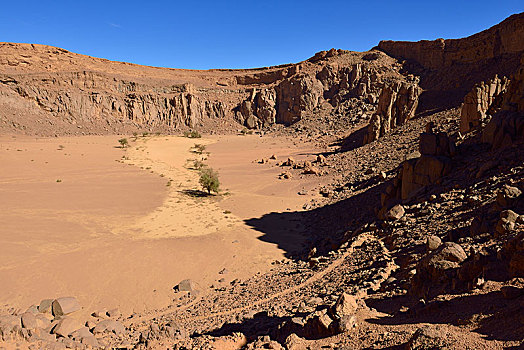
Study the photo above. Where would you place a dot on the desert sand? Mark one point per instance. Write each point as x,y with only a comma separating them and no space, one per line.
79,219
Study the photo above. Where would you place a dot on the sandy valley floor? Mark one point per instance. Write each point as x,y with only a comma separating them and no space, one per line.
79,219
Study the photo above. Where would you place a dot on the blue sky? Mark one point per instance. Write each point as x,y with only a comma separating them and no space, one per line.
238,34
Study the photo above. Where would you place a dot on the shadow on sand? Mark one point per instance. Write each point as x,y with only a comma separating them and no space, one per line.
297,232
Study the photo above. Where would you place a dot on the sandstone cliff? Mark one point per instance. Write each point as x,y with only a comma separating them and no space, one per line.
80,94
505,38
450,68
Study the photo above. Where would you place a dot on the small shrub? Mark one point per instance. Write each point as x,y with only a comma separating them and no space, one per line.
193,134
58,180
209,180
61,147
199,148
144,134
198,164
123,142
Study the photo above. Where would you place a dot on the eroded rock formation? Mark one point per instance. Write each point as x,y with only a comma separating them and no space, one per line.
435,161
482,101
507,126
397,103
98,95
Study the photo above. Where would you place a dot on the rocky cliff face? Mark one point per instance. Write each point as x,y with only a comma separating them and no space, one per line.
96,95
450,68
89,97
502,39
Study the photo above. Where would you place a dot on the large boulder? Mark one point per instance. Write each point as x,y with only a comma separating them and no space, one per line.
29,320
185,286
65,305
435,272
346,305
428,337
67,326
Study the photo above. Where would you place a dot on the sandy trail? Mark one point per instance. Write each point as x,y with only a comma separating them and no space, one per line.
115,235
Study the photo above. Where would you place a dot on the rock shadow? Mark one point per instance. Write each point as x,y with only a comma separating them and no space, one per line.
352,141
297,232
490,314
260,324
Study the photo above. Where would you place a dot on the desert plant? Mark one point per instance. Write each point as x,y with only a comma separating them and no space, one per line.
198,164
193,134
199,148
123,142
209,180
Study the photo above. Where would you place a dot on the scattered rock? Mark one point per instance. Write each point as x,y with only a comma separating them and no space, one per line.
45,305
395,213
29,320
185,286
312,170
433,242
285,175
66,326
65,306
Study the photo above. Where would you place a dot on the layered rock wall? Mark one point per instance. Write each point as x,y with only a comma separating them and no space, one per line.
504,38
92,93
85,97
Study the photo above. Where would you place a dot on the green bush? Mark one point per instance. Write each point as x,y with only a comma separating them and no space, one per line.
198,164
199,148
193,134
123,143
209,180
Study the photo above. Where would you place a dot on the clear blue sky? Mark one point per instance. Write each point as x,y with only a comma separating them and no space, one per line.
238,34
